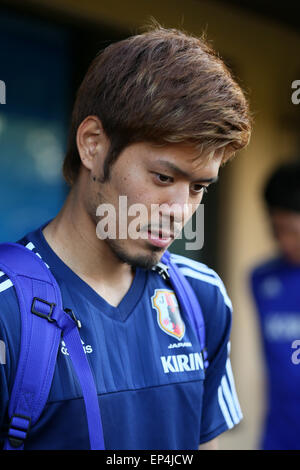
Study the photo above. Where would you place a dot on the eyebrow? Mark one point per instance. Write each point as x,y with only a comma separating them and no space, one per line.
170,166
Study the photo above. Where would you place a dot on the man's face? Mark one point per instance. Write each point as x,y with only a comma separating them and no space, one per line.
167,181
286,229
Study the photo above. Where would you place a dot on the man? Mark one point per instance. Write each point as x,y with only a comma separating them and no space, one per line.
275,285
155,117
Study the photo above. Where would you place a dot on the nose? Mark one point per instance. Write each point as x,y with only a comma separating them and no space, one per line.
177,207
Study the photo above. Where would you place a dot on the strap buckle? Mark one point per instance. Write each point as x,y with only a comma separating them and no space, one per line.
40,314
18,429
162,270
72,315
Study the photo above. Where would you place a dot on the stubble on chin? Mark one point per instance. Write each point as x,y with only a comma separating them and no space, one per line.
146,261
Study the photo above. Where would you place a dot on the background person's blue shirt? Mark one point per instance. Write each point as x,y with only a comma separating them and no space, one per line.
151,385
276,289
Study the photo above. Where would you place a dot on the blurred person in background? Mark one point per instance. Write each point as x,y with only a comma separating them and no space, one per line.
276,289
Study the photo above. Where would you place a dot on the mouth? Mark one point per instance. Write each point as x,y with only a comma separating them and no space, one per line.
160,238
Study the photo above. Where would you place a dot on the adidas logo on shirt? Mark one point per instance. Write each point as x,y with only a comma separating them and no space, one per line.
87,349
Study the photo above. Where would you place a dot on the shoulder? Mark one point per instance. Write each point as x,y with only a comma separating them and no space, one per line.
9,306
207,284
10,318
7,292
216,308
266,267
265,271
10,323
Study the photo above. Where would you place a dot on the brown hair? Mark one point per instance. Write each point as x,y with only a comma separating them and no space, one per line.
162,86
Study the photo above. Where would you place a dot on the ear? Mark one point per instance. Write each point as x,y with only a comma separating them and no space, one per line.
92,144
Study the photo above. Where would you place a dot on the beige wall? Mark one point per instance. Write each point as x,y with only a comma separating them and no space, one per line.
266,58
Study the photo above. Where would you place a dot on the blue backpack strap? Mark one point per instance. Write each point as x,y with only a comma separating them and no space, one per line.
43,322
187,299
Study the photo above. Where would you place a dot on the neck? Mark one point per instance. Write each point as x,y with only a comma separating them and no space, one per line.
72,236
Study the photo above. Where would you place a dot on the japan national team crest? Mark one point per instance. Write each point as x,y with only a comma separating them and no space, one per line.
168,314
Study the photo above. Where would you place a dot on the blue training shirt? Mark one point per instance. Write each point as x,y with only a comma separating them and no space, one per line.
152,389
276,289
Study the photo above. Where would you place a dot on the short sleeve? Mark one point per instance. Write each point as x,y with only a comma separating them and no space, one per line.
221,408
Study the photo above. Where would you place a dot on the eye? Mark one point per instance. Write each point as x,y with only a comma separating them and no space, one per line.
163,178
197,188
